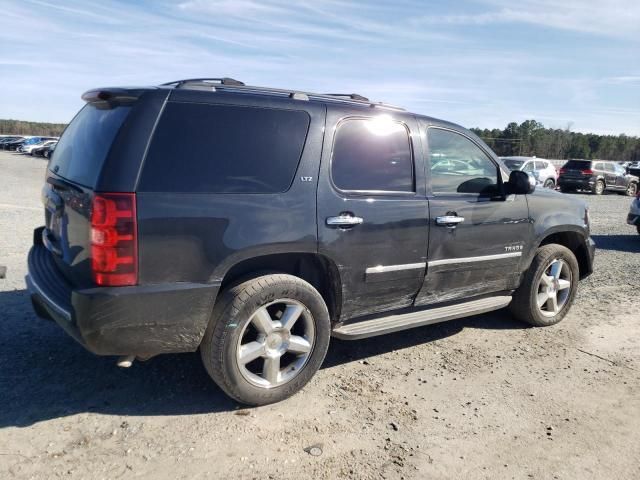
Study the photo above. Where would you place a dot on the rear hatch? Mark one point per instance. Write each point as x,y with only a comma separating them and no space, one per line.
73,173
573,169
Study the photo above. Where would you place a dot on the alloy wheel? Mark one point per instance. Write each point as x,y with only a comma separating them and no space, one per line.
554,288
276,343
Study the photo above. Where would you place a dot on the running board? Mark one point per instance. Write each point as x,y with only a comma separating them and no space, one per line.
403,321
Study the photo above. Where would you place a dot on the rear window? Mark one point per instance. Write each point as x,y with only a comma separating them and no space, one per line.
577,164
85,143
200,148
513,164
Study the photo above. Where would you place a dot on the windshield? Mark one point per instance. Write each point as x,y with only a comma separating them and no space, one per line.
513,164
85,143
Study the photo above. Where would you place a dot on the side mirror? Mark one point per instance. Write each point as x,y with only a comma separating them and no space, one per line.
520,183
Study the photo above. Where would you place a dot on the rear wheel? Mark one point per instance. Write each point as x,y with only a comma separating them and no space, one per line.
267,337
549,183
598,188
632,189
548,288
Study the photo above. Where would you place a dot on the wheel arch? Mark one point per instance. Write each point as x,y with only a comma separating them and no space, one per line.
316,269
575,242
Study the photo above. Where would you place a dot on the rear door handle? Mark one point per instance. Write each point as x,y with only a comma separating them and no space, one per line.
449,220
344,220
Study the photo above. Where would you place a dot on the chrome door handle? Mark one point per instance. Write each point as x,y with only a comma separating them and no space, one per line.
449,220
344,220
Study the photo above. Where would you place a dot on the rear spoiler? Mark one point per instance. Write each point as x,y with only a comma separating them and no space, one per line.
112,97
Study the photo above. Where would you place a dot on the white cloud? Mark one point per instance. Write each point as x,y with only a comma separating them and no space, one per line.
613,18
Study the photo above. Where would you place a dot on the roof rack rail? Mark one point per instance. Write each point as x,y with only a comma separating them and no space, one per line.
352,96
220,81
237,86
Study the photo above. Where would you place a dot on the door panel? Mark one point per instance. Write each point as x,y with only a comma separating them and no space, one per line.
481,253
377,239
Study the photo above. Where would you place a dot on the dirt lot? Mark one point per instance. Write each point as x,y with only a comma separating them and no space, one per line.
483,397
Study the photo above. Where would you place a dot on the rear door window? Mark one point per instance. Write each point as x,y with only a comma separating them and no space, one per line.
84,145
203,148
372,155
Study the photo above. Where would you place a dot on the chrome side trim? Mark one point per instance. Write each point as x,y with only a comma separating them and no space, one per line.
483,258
395,268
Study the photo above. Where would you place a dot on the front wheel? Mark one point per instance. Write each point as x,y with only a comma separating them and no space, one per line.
267,337
548,288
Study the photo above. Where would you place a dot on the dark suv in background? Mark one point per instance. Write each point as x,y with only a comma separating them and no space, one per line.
254,223
596,176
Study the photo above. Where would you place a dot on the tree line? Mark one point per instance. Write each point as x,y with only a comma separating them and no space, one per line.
531,138
21,127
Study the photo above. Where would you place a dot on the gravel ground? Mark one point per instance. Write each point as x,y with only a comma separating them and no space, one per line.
479,398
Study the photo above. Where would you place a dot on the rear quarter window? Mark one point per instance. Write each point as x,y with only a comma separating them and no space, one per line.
202,148
84,145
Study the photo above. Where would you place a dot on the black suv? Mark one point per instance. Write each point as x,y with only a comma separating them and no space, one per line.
255,223
596,176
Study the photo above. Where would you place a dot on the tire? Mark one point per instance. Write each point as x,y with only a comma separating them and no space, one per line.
234,324
598,188
524,305
549,183
638,229
632,189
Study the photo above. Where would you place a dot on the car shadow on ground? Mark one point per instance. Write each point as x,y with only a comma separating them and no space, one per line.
622,243
44,374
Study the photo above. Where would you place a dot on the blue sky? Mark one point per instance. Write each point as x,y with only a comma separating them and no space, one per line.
478,63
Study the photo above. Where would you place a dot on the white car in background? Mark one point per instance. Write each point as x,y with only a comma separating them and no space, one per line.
542,170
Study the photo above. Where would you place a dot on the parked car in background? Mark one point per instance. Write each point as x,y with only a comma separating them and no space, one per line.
542,170
13,144
634,169
634,213
39,149
596,176
9,139
28,144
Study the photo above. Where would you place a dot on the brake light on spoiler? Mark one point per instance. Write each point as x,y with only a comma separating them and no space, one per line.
114,239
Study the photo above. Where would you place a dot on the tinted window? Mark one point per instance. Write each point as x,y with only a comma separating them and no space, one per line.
528,167
372,155
85,143
577,165
609,167
459,165
224,149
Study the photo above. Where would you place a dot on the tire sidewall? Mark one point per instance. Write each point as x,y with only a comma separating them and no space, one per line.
597,190
562,253
233,320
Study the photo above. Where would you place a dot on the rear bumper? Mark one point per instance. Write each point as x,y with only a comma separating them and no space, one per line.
578,183
142,320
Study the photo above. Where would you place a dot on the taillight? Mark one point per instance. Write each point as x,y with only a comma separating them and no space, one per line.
587,171
562,170
114,239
